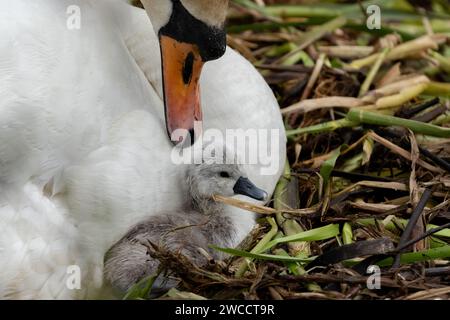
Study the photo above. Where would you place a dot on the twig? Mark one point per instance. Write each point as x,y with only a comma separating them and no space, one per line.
401,51
315,34
258,209
431,115
411,224
420,107
314,76
405,154
394,88
323,103
426,294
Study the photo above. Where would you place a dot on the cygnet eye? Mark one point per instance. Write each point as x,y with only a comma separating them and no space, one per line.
224,174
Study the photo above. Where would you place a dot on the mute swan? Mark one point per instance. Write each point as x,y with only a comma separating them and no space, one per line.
189,231
84,152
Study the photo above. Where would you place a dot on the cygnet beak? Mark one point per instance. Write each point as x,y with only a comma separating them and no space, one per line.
245,187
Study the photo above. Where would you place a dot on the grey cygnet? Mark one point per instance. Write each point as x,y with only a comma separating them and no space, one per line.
189,232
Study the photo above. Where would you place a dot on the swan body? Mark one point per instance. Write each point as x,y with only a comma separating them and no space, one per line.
84,153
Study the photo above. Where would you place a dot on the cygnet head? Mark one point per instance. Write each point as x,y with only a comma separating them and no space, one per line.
208,179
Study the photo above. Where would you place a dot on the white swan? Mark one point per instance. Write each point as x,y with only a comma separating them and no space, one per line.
84,152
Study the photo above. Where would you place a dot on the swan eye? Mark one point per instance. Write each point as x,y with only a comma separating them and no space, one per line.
224,174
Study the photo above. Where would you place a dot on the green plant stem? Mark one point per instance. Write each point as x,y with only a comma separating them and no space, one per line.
289,226
444,62
403,222
438,89
442,119
373,72
261,244
297,270
356,115
323,127
412,257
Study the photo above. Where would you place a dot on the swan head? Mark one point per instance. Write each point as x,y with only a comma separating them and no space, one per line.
190,32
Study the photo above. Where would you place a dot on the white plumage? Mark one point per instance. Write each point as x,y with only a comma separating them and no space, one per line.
84,152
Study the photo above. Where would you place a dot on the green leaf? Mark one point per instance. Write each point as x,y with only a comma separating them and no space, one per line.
347,233
317,234
367,150
353,163
142,289
329,164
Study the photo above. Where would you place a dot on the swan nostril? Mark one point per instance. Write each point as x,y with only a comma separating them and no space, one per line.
191,137
188,68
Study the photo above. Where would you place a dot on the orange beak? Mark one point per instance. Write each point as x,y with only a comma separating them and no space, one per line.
181,69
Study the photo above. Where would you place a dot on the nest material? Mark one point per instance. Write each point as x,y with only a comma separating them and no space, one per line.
380,180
